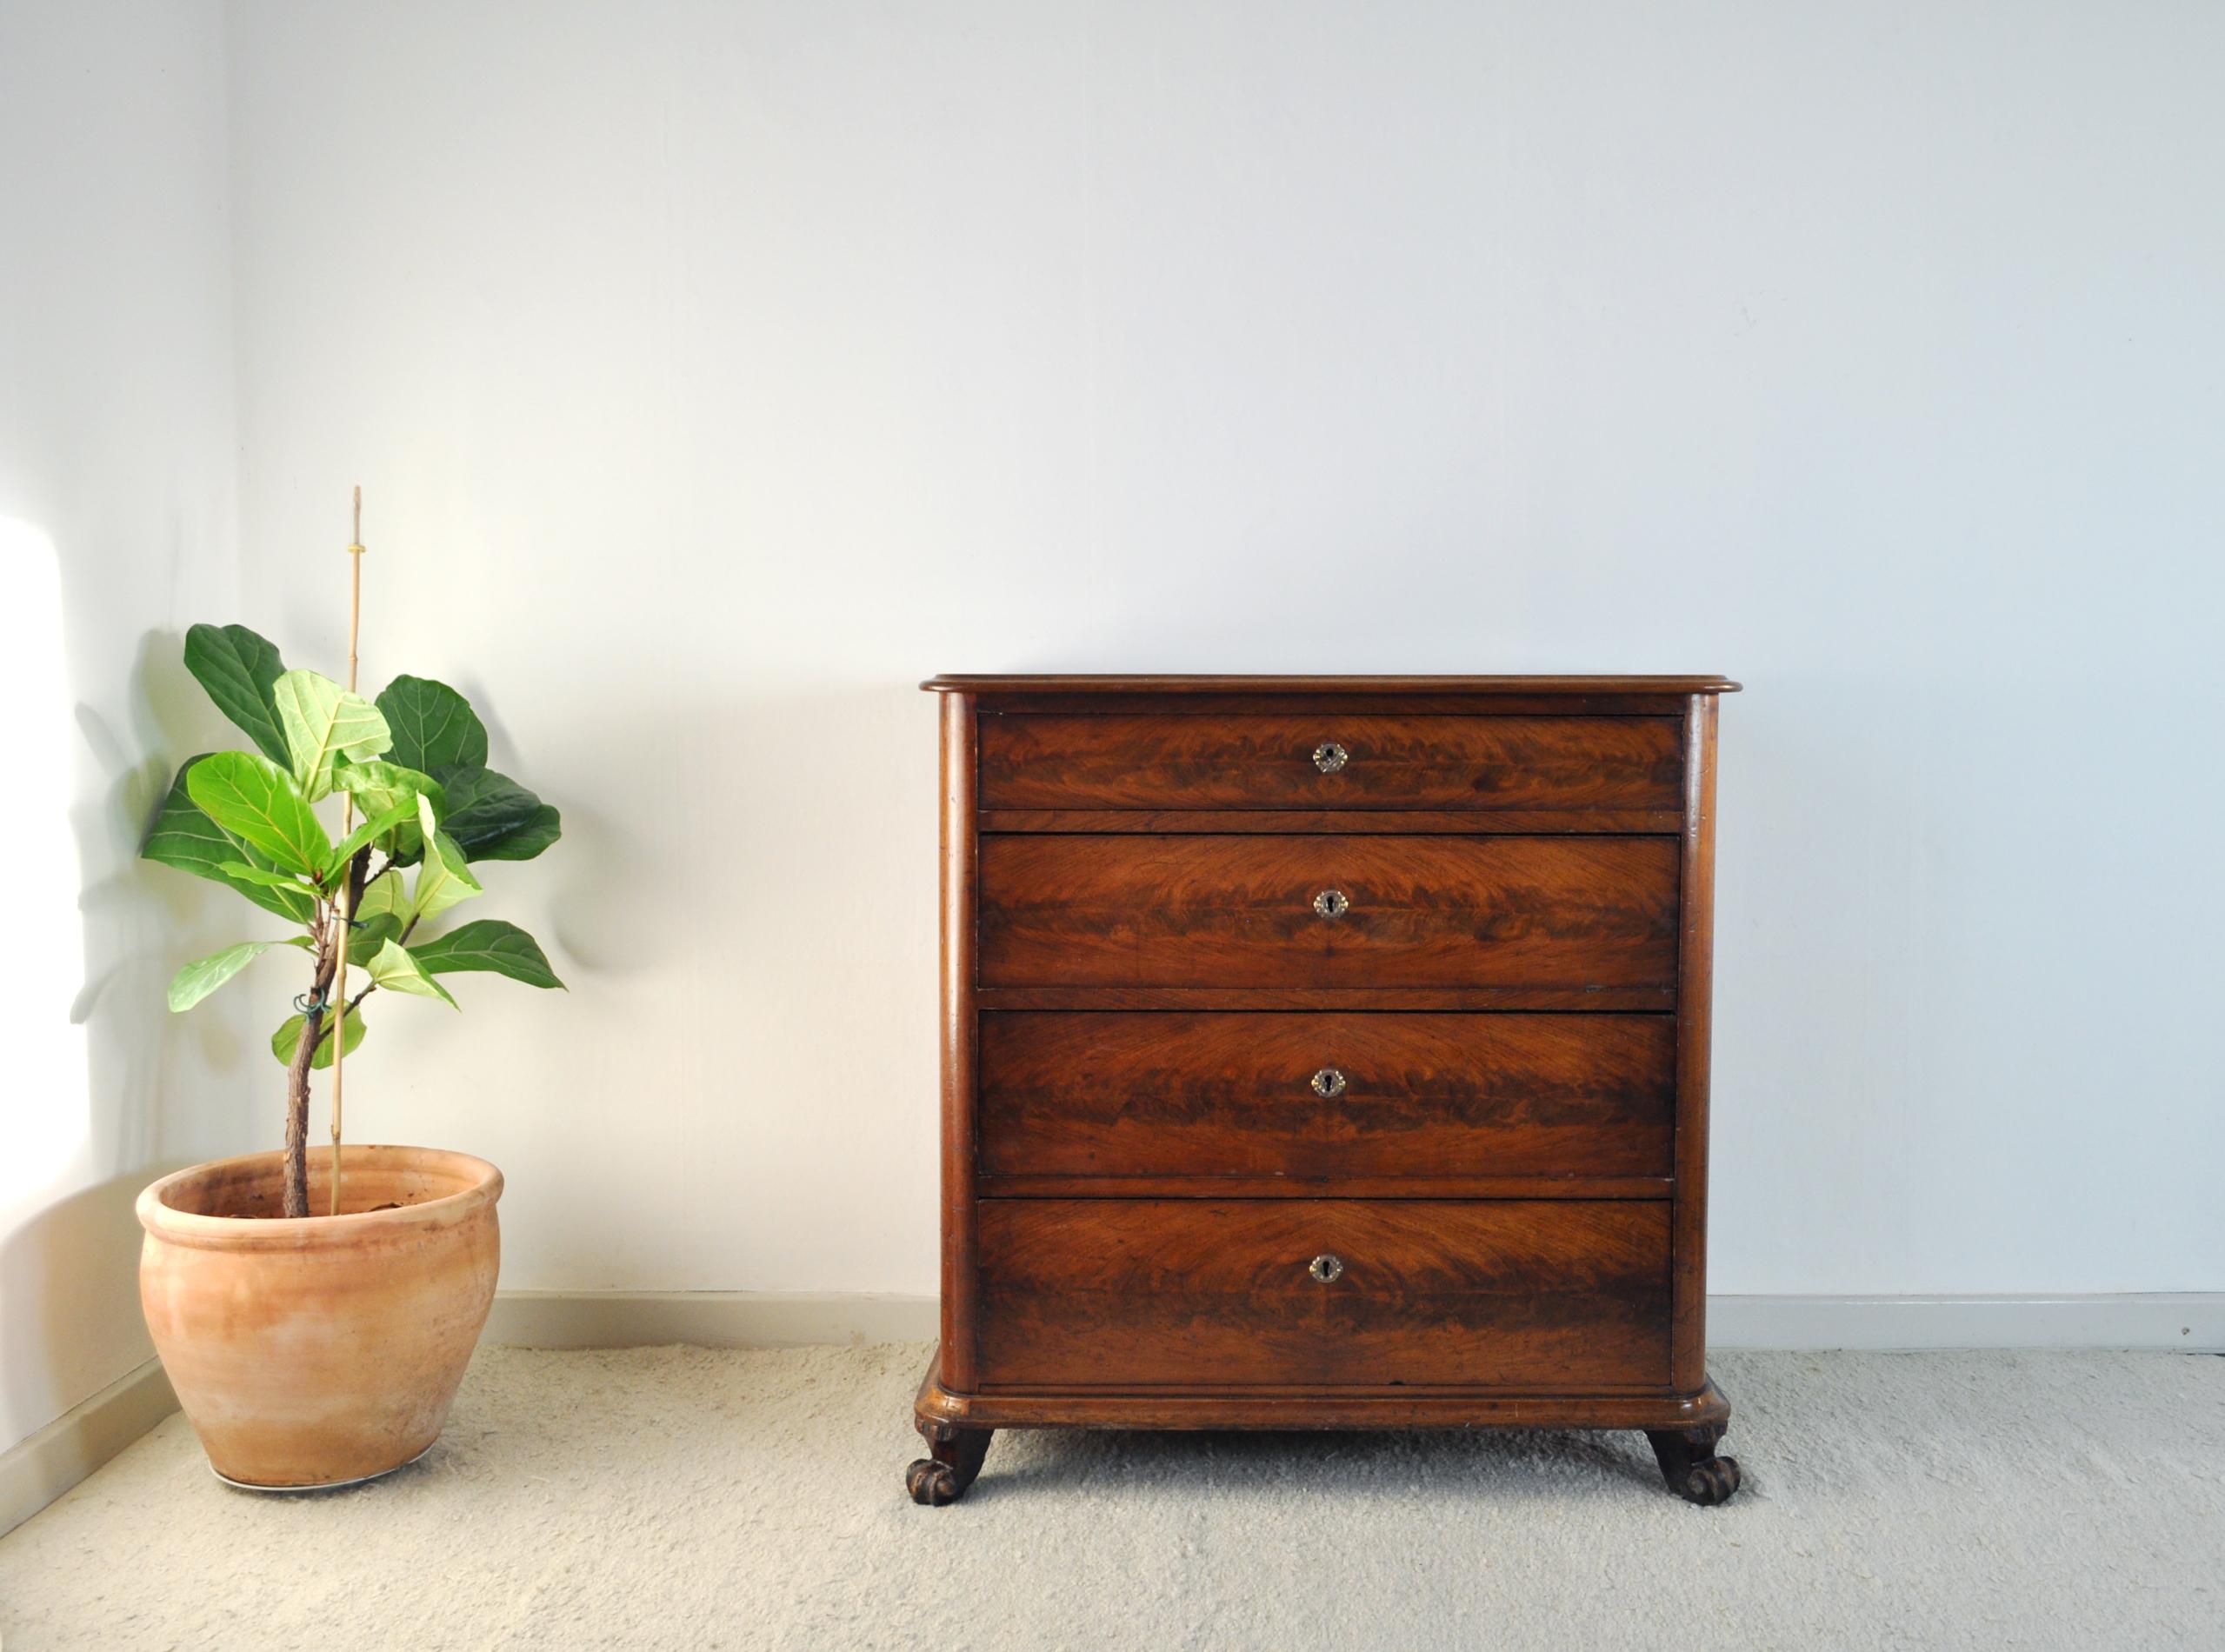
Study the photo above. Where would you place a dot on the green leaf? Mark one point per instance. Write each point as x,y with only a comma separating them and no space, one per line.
238,669
488,943
240,871
433,725
198,980
381,786
323,723
257,803
395,970
543,827
383,896
185,837
288,1038
345,848
442,880
489,813
370,934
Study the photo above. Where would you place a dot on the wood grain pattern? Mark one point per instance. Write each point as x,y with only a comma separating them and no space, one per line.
1144,1293
1221,1095
990,1185
1158,685
1482,822
1267,762
961,1026
1446,998
1400,703
1512,1173
1110,910
1695,991
1315,1408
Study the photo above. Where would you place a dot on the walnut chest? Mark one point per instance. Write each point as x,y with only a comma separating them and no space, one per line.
1325,1052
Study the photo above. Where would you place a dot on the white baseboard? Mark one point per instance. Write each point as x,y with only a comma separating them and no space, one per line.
37,1470
2190,1322
2181,1321
706,1319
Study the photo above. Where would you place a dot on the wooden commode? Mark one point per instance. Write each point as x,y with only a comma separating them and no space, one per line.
1325,1052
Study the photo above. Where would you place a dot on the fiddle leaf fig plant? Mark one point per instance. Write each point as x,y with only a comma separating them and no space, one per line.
418,806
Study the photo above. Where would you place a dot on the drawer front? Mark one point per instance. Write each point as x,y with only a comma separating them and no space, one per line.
1281,911
1138,1293
1323,1095
1331,762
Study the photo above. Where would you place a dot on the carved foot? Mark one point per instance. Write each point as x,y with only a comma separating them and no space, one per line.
1689,1463
957,1453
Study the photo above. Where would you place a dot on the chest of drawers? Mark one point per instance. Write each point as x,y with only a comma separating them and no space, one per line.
1325,1052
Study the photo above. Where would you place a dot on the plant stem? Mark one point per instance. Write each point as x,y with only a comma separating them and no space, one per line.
296,1195
314,1031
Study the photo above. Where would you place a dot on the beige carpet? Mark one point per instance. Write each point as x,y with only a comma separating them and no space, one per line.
690,1498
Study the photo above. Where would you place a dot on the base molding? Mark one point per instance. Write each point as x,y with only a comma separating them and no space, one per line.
707,1319
2183,1321
1046,1408
1684,1430
40,1468
2151,1321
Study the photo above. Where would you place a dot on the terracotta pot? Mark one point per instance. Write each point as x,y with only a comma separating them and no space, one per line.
323,1349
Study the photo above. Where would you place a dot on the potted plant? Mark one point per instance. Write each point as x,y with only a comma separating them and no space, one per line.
315,1311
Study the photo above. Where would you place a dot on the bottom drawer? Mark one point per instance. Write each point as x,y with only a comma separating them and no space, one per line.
1134,1293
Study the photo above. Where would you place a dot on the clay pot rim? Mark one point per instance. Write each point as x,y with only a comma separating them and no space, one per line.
165,1221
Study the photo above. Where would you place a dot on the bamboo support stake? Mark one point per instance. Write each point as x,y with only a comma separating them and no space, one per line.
347,824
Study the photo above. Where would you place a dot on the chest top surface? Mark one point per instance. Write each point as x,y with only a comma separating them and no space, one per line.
1174,684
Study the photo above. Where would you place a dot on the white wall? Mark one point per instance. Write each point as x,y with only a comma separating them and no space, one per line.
118,529
715,372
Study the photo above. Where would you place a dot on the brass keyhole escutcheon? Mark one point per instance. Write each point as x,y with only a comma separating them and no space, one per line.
1327,1267
1329,1084
1329,756
1332,903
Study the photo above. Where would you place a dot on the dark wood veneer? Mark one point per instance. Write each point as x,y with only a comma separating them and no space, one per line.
1120,911
1267,1185
1477,693
1112,761
1325,1095
1165,1292
1540,998
937,1403
1492,1216
960,1026
1479,822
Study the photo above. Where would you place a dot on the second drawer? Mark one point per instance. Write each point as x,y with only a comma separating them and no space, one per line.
1327,911
1326,1096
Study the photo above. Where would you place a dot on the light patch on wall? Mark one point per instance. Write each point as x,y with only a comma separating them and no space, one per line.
45,1128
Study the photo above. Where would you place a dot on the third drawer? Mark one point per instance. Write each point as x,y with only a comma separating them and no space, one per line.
1325,1095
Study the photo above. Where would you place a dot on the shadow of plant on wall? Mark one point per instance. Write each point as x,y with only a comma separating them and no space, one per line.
87,1037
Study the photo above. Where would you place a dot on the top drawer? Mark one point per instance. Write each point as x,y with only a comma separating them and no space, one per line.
1331,761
